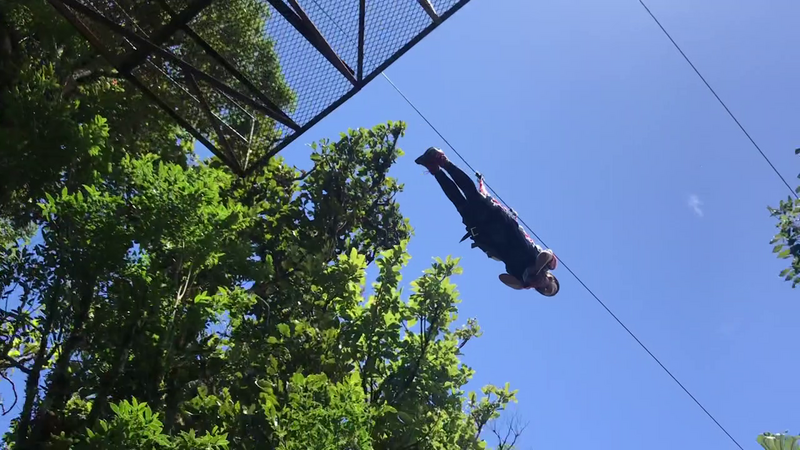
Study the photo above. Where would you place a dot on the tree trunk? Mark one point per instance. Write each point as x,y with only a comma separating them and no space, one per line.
32,383
110,377
58,388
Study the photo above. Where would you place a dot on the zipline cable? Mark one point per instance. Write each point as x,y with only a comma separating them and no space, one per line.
708,85
561,261
587,288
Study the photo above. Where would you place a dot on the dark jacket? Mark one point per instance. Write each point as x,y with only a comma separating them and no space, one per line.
495,231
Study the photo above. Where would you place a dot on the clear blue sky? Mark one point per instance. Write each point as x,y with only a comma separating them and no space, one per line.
591,125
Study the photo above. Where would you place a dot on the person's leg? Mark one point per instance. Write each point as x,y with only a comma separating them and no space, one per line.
451,191
463,181
434,160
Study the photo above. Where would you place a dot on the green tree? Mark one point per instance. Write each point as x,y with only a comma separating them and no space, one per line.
180,307
169,304
59,98
787,241
779,441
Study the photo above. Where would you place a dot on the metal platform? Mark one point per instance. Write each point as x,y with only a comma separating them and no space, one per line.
247,77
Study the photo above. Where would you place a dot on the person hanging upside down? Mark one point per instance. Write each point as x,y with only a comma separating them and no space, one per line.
493,228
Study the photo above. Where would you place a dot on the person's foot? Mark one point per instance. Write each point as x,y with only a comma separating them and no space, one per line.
433,159
547,259
536,274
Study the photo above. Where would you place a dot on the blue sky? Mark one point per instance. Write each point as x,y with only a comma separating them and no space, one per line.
591,125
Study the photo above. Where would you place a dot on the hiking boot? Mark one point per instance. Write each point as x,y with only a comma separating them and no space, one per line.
433,159
536,274
550,260
546,260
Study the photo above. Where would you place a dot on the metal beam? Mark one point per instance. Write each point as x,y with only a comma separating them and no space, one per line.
218,84
371,76
428,7
192,82
80,13
92,39
193,97
185,124
225,63
301,22
362,17
164,33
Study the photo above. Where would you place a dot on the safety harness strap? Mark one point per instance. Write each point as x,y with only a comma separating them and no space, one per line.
480,227
480,240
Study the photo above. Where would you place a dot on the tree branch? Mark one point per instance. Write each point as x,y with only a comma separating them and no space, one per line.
424,437
512,434
82,76
111,376
14,390
426,340
32,383
16,364
305,174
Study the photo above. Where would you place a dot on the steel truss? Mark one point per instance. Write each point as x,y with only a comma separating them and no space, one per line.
142,46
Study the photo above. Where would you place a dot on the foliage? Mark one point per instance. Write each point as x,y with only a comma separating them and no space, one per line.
59,99
153,301
778,441
135,426
787,241
175,307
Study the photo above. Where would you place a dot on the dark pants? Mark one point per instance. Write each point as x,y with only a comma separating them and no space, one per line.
498,235
460,190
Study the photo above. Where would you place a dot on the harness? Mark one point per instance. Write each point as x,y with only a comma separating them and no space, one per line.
479,240
485,230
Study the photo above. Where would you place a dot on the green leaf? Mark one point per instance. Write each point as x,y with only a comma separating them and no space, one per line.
196,227
284,329
298,378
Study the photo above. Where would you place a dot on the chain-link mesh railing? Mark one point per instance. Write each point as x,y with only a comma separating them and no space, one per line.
248,76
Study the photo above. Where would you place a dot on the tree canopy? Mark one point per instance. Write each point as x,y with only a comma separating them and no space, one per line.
779,441
65,113
157,301
787,246
787,241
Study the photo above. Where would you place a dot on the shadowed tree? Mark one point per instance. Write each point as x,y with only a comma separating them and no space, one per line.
59,98
166,303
